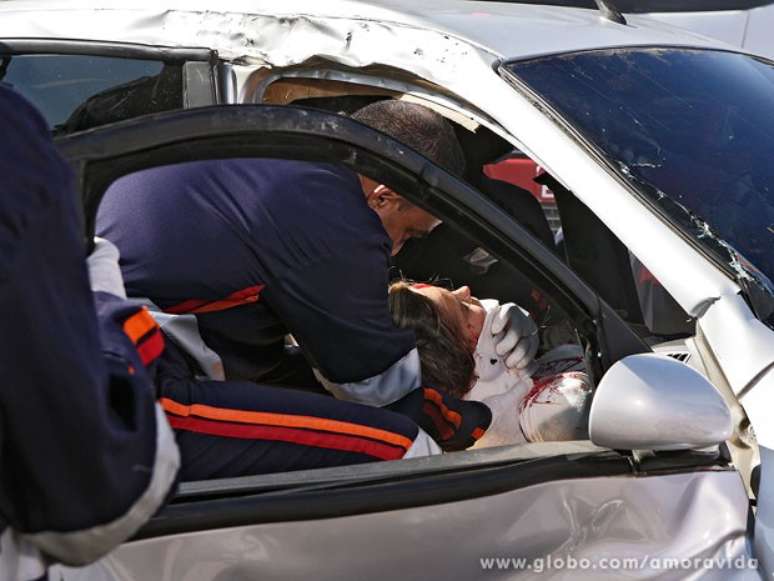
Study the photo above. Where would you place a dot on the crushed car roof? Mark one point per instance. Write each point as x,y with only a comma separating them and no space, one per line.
248,29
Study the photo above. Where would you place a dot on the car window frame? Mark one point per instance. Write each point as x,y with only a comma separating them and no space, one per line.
388,486
202,82
383,486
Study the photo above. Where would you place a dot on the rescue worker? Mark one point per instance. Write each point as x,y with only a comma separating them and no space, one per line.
86,454
238,253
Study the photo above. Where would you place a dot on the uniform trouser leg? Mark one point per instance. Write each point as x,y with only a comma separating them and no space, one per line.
232,428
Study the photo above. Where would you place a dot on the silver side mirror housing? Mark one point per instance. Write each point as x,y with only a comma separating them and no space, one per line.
653,402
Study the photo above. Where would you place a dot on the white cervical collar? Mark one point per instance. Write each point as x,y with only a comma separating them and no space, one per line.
493,376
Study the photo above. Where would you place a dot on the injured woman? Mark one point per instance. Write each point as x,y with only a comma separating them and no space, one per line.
456,336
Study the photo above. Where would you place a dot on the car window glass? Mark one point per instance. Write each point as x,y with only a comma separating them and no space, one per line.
518,169
77,92
692,130
601,260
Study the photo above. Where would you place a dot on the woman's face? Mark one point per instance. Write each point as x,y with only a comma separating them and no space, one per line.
459,310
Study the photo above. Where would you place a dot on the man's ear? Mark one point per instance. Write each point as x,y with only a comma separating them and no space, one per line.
381,198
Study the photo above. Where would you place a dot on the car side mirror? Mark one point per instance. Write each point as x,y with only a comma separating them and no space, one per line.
653,402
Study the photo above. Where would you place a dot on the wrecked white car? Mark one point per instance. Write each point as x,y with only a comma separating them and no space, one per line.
656,146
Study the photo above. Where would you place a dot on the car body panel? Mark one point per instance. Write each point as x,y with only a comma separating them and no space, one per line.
763,537
758,402
758,37
684,516
748,27
240,29
727,26
742,345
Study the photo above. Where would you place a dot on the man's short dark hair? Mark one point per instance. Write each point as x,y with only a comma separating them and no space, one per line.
418,127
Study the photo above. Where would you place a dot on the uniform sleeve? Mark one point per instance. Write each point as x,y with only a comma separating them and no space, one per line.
86,455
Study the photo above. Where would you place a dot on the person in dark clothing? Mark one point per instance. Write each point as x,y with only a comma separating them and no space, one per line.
79,416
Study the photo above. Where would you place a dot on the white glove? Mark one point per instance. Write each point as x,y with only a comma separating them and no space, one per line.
515,336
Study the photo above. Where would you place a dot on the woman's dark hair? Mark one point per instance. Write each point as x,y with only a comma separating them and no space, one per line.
446,360
418,127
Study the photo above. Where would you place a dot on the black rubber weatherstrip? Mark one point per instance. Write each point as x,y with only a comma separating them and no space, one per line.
646,6
352,499
649,6
18,46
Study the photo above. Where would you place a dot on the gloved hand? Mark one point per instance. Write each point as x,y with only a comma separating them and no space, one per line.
515,336
455,424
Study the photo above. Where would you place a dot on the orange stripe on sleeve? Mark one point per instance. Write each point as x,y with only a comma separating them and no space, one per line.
448,414
139,324
151,348
243,297
286,420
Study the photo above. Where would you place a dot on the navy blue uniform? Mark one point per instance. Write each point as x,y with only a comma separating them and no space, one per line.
81,444
249,250
257,249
